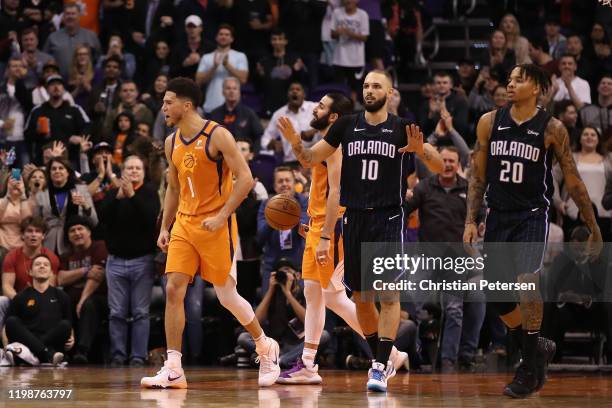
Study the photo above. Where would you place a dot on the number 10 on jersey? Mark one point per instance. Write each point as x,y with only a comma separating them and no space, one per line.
511,171
369,169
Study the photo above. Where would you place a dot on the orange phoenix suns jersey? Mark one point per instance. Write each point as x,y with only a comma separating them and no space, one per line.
319,190
205,183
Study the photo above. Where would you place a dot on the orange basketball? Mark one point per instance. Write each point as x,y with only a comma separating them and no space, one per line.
282,212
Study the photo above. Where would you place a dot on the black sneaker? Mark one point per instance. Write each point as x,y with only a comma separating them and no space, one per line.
523,384
545,354
79,358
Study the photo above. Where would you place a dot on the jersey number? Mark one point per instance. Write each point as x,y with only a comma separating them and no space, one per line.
512,171
369,169
190,183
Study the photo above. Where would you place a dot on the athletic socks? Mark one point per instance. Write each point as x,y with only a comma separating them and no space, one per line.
372,340
516,336
260,342
530,348
308,357
384,350
174,358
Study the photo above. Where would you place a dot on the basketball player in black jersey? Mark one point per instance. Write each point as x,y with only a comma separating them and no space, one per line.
513,163
375,164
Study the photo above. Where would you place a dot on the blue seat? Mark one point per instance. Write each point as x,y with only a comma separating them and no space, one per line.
262,167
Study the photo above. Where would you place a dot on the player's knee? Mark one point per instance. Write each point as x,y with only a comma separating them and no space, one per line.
175,291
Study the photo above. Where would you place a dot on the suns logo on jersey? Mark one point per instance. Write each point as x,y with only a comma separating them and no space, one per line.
189,160
31,302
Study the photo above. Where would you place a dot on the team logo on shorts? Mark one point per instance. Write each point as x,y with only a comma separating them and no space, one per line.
189,161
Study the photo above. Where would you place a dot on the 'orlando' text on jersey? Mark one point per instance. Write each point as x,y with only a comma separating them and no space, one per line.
519,167
373,170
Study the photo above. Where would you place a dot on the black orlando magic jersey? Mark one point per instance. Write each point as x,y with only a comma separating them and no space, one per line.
519,167
374,172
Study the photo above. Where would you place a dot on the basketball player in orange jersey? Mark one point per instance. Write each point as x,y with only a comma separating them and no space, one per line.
322,266
202,156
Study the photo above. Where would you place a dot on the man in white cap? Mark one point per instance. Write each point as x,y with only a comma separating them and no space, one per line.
190,48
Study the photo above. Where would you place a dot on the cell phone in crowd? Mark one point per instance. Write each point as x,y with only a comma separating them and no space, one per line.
16,174
297,327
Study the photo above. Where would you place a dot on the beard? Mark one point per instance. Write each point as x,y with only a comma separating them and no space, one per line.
320,123
376,105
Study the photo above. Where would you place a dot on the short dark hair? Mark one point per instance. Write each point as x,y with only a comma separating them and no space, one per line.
536,74
561,106
278,169
246,140
566,55
443,74
113,58
277,31
539,43
450,148
29,30
36,222
340,105
384,73
41,255
185,88
226,26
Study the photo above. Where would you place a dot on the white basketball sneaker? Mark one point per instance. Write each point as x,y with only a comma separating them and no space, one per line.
300,374
6,358
378,376
23,353
269,369
167,377
399,359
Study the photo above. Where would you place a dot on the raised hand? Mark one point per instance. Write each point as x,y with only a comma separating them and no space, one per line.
285,127
415,140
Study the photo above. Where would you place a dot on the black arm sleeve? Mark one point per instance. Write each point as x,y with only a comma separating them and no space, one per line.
338,129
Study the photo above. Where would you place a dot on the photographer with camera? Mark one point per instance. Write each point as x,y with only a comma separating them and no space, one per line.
282,312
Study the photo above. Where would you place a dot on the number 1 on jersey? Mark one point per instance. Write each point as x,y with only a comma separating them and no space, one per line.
191,186
369,169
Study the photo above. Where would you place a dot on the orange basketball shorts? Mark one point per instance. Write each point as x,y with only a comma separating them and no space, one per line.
212,253
313,270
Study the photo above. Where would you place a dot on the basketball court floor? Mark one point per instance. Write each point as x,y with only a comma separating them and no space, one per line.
212,387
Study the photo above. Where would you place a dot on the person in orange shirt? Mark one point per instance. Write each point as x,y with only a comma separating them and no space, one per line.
202,158
322,263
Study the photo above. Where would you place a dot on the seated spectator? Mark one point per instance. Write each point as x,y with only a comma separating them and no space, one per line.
40,316
557,43
14,208
516,42
599,114
350,26
467,75
238,118
81,275
187,53
500,96
276,71
143,130
567,113
599,49
115,47
39,93
282,312
62,43
277,244
155,95
299,112
498,55
480,100
397,108
81,75
34,59
585,67
56,120
217,65
158,62
63,199
122,136
538,52
569,86
594,166
130,214
128,102
455,104
18,262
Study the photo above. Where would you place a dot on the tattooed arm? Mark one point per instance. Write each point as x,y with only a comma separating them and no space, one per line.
556,137
478,176
307,157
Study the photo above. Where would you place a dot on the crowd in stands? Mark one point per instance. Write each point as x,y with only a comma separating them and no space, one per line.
82,174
